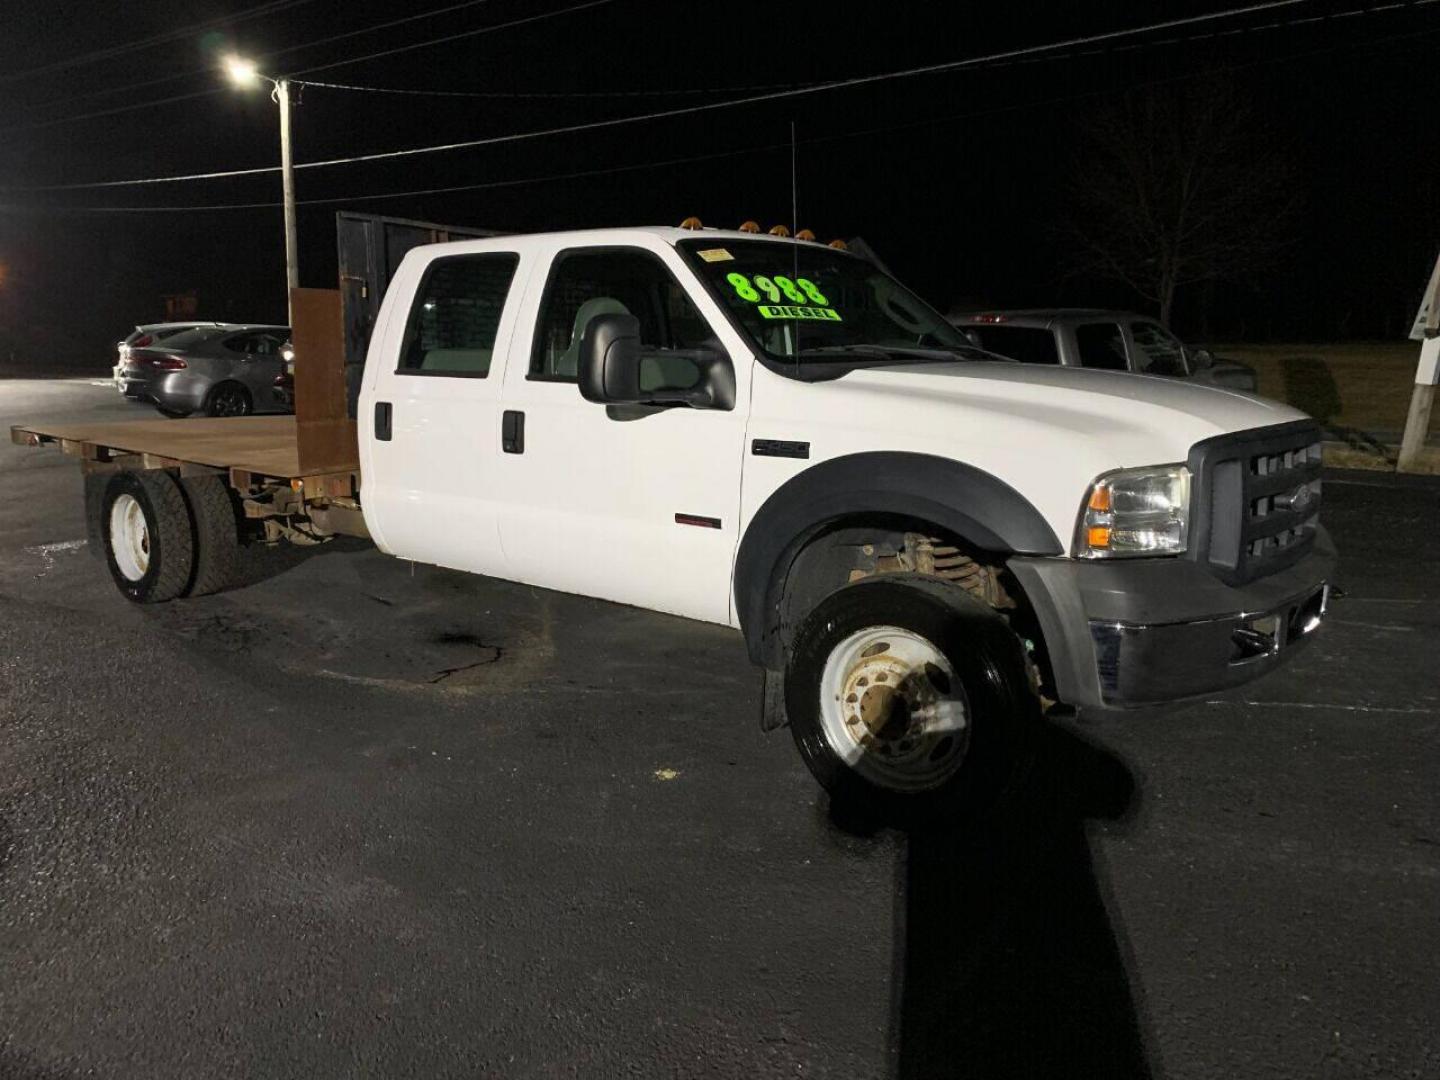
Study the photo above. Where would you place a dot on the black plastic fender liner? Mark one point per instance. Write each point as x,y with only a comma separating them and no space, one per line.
965,501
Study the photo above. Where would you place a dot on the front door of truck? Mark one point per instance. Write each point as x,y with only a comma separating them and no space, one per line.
634,504
430,421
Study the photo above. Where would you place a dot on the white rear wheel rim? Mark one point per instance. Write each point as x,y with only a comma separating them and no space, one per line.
129,537
892,708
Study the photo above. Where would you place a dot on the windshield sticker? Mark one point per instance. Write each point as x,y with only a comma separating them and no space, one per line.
716,255
797,291
821,314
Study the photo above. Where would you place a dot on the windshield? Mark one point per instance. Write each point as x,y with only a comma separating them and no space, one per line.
804,303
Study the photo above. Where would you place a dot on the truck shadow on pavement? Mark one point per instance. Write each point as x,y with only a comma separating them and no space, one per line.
1006,960
260,562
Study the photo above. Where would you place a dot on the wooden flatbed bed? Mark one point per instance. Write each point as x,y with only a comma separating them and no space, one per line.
252,450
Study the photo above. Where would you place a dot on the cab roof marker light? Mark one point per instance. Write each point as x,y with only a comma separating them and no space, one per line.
779,230
749,227
805,234
692,223
839,245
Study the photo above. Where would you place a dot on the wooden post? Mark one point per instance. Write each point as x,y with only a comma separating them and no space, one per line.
1422,401
325,436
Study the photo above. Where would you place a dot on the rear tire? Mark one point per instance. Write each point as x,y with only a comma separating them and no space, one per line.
909,701
217,534
147,533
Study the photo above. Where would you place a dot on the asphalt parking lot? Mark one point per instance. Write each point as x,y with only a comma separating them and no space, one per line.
363,818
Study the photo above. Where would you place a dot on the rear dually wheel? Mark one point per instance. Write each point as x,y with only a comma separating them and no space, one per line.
149,544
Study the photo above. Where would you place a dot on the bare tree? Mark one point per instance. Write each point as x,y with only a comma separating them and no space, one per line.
1178,186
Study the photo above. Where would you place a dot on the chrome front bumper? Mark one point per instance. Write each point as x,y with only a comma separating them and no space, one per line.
1128,633
1141,664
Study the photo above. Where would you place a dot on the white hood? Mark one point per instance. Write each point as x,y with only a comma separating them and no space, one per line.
1152,406
1046,431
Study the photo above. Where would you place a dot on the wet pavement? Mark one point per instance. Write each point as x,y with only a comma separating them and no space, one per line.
367,819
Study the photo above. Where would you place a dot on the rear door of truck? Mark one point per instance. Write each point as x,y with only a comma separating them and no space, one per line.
430,413
635,504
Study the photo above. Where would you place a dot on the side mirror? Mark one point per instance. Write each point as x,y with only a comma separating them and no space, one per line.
1201,359
614,369
610,360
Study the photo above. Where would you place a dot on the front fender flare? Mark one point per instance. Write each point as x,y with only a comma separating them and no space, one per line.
962,500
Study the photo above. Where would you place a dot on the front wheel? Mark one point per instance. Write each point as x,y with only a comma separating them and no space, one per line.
908,700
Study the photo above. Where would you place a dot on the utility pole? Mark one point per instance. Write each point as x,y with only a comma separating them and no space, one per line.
243,73
287,172
1427,374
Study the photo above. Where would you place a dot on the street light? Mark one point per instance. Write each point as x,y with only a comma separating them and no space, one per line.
244,73
241,71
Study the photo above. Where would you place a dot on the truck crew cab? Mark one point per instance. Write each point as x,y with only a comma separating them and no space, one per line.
918,540
776,435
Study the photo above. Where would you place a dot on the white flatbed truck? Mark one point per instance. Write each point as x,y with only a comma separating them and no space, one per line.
918,541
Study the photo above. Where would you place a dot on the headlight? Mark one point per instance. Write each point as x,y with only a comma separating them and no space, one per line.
1136,512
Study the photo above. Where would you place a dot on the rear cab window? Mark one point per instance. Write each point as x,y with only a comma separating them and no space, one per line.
1101,345
1028,344
456,314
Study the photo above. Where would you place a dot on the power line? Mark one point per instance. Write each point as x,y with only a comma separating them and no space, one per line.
560,95
691,110
455,37
404,48
38,124
691,159
263,58
508,94
1048,58
259,10
449,189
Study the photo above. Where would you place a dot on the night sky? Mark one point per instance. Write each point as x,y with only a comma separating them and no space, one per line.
958,180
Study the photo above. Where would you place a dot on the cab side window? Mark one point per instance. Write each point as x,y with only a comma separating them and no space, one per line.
456,316
1101,345
1156,351
1028,344
585,284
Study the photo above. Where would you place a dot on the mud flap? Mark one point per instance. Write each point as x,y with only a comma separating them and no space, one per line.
772,701
94,510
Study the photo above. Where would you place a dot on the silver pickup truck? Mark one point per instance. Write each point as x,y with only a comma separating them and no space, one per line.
1098,338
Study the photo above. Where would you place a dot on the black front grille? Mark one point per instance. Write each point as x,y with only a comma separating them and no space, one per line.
1256,499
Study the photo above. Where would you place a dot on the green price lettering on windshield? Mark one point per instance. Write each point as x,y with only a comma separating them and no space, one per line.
797,291
743,289
815,295
815,314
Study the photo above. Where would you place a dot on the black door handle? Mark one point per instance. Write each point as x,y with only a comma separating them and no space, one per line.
512,432
382,421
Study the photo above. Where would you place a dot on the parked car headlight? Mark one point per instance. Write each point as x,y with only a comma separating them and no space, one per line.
1136,512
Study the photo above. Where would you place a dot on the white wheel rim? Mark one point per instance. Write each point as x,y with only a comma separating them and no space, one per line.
893,710
129,537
